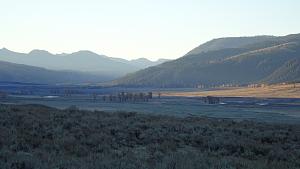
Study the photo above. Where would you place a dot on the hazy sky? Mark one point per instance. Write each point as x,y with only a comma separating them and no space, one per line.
139,28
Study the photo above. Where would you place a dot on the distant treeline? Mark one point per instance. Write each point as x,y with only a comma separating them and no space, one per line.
127,97
211,100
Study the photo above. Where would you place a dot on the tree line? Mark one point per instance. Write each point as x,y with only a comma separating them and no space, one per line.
127,97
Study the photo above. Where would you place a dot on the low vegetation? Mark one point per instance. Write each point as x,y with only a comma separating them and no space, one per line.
35,136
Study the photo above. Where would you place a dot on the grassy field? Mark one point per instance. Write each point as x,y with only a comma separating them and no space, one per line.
272,91
34,136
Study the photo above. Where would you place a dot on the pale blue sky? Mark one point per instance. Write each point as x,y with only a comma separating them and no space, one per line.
139,28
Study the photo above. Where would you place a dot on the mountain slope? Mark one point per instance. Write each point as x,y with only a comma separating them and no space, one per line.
11,72
234,65
289,72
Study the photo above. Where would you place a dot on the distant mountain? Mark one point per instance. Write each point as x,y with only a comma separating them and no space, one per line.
225,61
11,72
141,63
83,61
144,63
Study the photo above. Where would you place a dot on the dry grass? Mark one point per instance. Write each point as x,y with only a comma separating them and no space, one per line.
272,91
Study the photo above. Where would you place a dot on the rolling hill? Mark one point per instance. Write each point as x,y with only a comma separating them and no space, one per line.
225,61
11,72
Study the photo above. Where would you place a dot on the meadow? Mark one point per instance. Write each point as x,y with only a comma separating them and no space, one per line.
291,90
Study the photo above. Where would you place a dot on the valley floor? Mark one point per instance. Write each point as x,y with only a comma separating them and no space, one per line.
272,91
257,109
35,136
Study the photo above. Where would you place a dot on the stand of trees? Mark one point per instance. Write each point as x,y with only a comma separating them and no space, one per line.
211,100
128,97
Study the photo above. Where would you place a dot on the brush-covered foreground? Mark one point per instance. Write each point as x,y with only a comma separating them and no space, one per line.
34,136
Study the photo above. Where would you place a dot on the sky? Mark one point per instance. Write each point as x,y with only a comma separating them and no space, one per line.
132,29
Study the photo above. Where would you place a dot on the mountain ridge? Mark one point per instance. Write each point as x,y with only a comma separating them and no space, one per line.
83,60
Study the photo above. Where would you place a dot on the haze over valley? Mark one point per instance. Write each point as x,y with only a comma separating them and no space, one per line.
40,66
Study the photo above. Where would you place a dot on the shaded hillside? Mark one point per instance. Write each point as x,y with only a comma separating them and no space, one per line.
11,72
241,65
